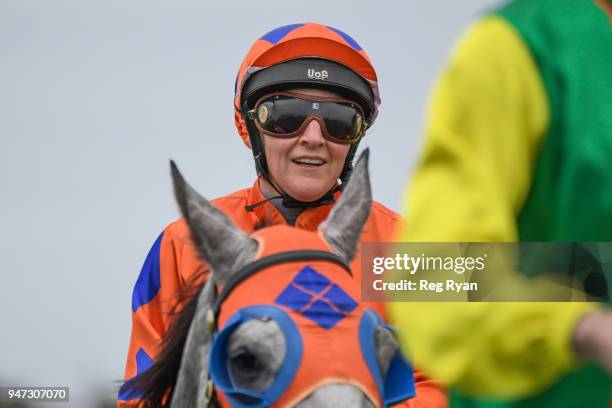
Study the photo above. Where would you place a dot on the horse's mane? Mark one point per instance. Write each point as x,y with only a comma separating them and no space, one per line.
155,385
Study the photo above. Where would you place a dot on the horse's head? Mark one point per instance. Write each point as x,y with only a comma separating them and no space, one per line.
280,322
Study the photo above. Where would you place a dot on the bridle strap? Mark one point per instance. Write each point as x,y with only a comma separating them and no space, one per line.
268,261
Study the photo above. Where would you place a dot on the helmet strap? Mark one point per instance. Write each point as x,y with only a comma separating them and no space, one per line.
348,164
257,148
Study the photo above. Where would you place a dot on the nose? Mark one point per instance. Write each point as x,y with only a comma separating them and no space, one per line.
313,134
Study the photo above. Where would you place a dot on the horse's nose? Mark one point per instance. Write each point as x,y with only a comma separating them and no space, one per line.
336,396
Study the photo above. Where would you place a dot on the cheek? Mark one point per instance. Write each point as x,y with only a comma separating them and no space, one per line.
276,150
338,152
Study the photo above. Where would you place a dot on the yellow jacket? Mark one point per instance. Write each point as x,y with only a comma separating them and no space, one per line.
485,125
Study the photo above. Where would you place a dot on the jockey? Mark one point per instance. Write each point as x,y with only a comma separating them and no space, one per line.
305,95
516,142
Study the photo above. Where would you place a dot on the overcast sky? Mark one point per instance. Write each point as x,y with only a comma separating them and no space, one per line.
96,96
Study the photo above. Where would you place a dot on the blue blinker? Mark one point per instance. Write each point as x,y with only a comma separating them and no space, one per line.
243,398
398,384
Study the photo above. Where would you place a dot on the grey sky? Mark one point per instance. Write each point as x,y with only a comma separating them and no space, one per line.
96,96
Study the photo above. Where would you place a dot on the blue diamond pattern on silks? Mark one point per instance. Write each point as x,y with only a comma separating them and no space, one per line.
279,33
148,282
347,38
316,298
143,362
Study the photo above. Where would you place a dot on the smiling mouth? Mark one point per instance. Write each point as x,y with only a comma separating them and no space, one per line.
309,162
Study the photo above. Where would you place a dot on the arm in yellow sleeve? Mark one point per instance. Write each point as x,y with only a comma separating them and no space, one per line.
486,123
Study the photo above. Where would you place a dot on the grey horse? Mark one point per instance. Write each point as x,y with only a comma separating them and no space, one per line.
180,376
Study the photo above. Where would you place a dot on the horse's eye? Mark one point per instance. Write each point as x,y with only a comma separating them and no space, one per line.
245,361
255,352
386,347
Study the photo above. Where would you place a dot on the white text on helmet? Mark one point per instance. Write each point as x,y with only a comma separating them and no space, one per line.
313,74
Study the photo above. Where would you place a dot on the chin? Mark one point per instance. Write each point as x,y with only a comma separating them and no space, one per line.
308,195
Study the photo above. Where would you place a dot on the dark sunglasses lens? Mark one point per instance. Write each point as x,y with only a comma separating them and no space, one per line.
281,114
343,121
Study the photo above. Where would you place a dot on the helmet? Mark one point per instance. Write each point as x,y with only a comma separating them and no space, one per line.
308,55
277,60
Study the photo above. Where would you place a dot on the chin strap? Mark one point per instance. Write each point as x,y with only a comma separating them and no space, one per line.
251,207
261,166
348,164
291,202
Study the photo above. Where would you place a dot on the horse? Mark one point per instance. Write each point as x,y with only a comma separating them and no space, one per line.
258,334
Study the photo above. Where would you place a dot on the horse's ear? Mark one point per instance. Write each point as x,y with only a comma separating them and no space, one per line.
220,243
343,226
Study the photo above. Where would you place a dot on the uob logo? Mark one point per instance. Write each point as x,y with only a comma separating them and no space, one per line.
313,74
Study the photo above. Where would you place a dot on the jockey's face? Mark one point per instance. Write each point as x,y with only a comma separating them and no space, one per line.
306,166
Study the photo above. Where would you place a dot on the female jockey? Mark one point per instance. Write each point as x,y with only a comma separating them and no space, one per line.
305,95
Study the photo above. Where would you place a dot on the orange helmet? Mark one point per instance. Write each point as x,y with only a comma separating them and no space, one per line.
291,56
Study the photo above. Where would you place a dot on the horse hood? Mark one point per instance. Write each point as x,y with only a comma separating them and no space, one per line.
329,333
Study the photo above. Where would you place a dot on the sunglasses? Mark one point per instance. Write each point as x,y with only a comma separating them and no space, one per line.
288,114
